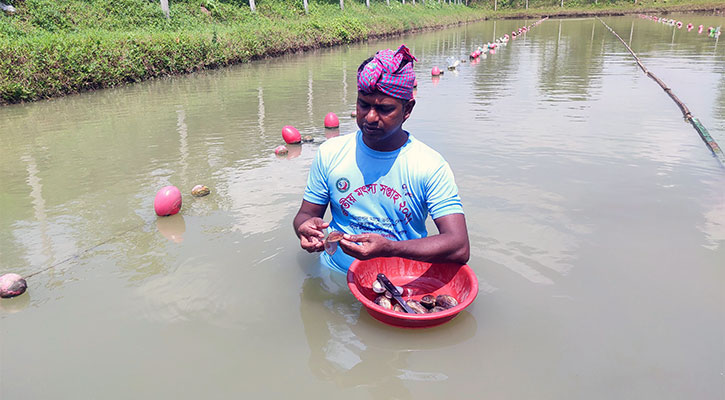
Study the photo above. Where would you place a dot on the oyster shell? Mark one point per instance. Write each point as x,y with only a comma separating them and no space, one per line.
398,308
437,309
446,301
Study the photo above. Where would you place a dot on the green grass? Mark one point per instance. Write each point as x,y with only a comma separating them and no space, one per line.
56,47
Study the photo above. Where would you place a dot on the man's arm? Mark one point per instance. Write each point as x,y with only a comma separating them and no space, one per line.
308,226
449,245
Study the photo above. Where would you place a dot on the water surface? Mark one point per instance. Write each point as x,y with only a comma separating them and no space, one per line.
596,217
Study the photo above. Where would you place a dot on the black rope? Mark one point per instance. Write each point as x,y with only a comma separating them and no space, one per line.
77,255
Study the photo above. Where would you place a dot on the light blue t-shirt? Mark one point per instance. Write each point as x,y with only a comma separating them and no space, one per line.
389,193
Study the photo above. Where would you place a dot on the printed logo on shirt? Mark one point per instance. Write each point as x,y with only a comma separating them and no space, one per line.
343,185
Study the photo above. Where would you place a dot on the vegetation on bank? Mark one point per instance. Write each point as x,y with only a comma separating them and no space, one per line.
50,48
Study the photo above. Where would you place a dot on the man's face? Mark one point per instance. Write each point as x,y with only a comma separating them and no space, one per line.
380,117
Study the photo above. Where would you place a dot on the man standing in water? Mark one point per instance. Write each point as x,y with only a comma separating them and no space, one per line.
381,183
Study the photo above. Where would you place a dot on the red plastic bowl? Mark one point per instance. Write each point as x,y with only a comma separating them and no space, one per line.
417,279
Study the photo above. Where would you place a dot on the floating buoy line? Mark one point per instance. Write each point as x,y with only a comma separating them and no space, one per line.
701,130
79,254
711,31
488,48
167,202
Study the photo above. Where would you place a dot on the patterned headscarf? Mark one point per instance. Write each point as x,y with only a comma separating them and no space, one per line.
389,72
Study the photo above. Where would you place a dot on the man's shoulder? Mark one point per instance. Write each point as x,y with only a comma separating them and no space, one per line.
420,150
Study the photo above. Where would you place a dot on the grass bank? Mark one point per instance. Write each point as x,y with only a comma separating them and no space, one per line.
50,48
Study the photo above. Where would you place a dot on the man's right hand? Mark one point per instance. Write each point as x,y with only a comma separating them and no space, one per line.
311,234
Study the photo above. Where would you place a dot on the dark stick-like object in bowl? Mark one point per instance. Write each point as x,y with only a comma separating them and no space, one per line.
394,291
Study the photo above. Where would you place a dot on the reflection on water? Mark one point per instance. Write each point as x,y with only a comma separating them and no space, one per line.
351,349
172,227
590,204
15,304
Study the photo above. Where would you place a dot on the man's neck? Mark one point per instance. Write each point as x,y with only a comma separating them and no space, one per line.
392,143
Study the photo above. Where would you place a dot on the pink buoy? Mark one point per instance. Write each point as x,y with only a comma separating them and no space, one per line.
689,27
280,150
435,71
331,120
167,201
12,285
679,24
290,134
699,30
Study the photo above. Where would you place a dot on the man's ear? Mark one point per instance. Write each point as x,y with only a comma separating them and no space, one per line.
408,108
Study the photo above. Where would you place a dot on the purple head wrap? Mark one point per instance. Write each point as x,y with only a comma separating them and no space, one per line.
389,72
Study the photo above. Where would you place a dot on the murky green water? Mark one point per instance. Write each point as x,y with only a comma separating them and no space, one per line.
596,216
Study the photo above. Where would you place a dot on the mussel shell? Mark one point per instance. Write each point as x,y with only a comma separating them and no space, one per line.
428,301
446,301
398,308
417,307
388,294
384,302
378,287
12,285
200,191
437,309
334,236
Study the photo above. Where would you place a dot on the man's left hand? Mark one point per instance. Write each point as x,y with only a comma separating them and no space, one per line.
366,246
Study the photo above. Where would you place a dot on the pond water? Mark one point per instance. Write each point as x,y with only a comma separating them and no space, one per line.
596,217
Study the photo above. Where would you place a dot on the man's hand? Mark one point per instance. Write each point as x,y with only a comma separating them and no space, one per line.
366,246
450,245
308,226
311,234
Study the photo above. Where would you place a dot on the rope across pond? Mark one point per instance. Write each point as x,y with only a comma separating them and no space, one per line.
704,134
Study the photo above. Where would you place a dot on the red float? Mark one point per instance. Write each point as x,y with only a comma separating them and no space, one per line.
291,135
435,71
167,201
331,120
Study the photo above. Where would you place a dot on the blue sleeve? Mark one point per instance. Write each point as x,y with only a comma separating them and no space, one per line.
317,191
442,193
